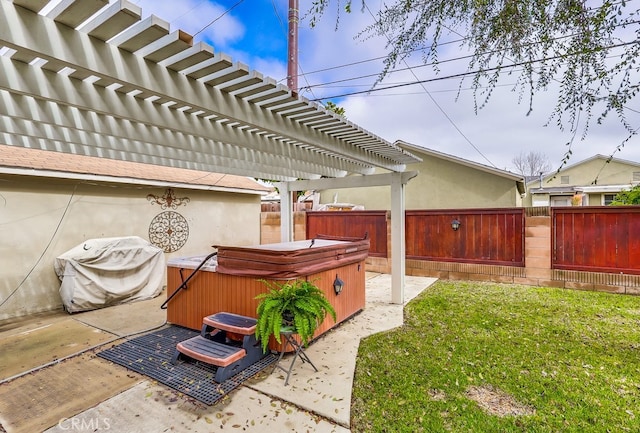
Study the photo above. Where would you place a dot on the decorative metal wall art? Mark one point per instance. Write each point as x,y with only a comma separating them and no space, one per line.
169,230
168,200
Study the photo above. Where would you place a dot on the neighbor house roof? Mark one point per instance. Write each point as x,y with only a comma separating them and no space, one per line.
465,162
605,159
35,162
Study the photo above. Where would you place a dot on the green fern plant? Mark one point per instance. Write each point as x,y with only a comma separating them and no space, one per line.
297,303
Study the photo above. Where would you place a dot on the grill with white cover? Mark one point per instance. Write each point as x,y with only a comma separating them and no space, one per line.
108,271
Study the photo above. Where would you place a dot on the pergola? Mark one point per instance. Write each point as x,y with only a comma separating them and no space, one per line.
92,78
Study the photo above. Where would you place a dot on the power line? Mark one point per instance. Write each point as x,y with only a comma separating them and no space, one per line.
469,73
216,19
408,68
446,60
422,82
373,59
188,12
444,113
46,248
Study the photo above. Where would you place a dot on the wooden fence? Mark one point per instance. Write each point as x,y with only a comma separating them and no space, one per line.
351,224
596,239
592,239
484,236
587,248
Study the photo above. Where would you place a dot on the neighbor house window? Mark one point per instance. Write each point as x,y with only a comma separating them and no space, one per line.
608,198
636,176
564,180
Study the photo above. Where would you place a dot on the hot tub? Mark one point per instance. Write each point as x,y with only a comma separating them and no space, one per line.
233,281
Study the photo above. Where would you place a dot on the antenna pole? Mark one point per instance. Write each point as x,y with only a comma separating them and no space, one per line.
292,46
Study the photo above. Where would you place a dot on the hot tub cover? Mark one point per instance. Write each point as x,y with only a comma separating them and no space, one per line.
109,271
291,259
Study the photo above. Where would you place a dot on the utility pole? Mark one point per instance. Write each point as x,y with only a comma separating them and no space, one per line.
292,46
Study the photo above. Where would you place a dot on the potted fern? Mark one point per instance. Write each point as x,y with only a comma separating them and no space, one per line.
298,305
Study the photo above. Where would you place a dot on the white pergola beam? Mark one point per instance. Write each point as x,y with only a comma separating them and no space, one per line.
297,113
218,63
194,55
242,83
324,123
210,155
278,92
33,5
289,106
334,129
53,65
24,57
74,12
113,20
277,101
238,70
267,84
166,46
312,117
210,164
140,34
384,179
186,147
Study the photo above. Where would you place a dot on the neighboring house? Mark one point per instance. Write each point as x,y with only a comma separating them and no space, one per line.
592,182
444,182
51,202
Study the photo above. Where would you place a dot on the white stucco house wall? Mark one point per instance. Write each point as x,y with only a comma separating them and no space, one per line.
51,202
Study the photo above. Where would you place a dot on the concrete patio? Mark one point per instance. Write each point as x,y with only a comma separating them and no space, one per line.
51,379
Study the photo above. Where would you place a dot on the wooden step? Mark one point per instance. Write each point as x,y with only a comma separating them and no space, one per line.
210,352
231,322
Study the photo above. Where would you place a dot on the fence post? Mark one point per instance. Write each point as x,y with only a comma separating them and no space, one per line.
537,247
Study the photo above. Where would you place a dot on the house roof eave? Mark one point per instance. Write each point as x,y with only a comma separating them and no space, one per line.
84,177
472,164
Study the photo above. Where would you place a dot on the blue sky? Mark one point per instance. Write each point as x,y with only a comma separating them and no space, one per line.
434,115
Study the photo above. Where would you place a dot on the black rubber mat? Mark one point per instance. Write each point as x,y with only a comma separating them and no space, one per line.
151,354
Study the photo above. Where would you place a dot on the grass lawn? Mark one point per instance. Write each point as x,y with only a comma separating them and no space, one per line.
477,357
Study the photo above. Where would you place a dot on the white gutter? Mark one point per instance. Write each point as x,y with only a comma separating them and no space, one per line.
124,180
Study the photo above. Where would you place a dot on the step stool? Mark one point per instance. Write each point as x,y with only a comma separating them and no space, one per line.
218,344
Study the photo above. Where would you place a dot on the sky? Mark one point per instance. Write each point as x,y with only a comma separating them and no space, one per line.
438,115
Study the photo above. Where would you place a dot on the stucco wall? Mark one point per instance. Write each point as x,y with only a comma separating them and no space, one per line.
42,218
585,173
440,184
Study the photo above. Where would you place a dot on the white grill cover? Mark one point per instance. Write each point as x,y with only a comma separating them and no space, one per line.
109,271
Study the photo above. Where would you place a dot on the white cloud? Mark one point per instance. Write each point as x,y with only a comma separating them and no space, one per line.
195,16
